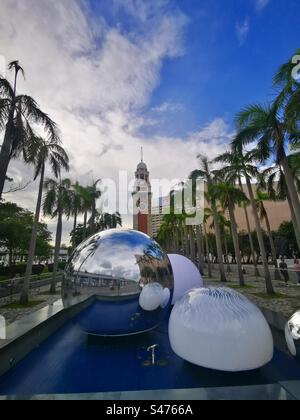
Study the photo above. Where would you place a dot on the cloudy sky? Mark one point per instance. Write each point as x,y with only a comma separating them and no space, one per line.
168,75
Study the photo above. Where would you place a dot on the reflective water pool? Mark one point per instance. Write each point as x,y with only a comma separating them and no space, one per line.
70,362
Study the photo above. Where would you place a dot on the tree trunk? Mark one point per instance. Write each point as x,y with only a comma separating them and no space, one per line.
192,244
176,240
85,224
5,154
186,242
235,237
74,228
218,243
226,254
293,217
25,291
256,271
93,217
268,280
56,252
200,249
290,182
273,249
207,252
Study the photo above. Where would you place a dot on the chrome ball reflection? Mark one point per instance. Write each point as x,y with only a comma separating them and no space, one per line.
292,334
128,277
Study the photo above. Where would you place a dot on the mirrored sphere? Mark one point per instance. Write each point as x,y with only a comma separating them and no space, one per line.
292,334
128,278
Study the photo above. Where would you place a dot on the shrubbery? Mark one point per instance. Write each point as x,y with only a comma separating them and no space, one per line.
61,266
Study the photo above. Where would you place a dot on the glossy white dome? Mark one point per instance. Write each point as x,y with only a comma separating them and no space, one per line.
186,276
220,329
151,297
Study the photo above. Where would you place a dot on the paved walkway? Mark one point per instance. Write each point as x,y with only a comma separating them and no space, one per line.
286,302
12,315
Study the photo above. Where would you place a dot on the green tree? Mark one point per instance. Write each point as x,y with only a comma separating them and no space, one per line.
209,176
289,96
273,181
240,165
77,205
57,202
268,127
15,226
229,196
261,198
17,113
108,221
236,165
39,153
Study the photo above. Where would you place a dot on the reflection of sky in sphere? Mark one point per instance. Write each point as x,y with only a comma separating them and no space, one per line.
115,254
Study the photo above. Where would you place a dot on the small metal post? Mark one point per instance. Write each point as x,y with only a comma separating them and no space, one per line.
152,349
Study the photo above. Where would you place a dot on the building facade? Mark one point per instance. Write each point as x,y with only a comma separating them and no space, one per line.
278,213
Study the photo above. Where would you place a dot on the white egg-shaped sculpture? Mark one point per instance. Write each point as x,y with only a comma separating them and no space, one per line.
220,329
292,334
166,297
186,276
151,297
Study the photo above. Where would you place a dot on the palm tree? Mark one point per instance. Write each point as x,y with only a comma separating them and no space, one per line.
224,225
40,152
17,113
199,240
95,194
272,133
208,175
289,97
87,204
273,181
236,164
244,167
77,204
58,202
206,217
109,221
260,198
230,196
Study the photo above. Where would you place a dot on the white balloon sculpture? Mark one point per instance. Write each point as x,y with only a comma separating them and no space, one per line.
151,297
218,328
186,276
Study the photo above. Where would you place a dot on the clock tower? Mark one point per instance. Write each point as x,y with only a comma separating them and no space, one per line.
142,197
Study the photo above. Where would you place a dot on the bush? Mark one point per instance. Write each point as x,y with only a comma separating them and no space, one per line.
18,270
61,266
4,271
37,269
50,268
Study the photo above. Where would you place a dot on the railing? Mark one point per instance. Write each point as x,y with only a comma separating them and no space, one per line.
9,288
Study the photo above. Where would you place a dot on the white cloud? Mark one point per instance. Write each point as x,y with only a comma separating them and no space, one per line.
242,30
94,81
168,107
261,5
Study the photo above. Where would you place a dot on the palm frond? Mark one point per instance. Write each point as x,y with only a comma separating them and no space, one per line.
33,113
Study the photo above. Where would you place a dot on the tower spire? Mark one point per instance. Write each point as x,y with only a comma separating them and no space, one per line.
142,154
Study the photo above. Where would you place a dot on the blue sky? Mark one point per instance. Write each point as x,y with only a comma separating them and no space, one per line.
221,69
168,75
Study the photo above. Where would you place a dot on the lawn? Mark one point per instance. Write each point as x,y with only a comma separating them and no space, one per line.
29,305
